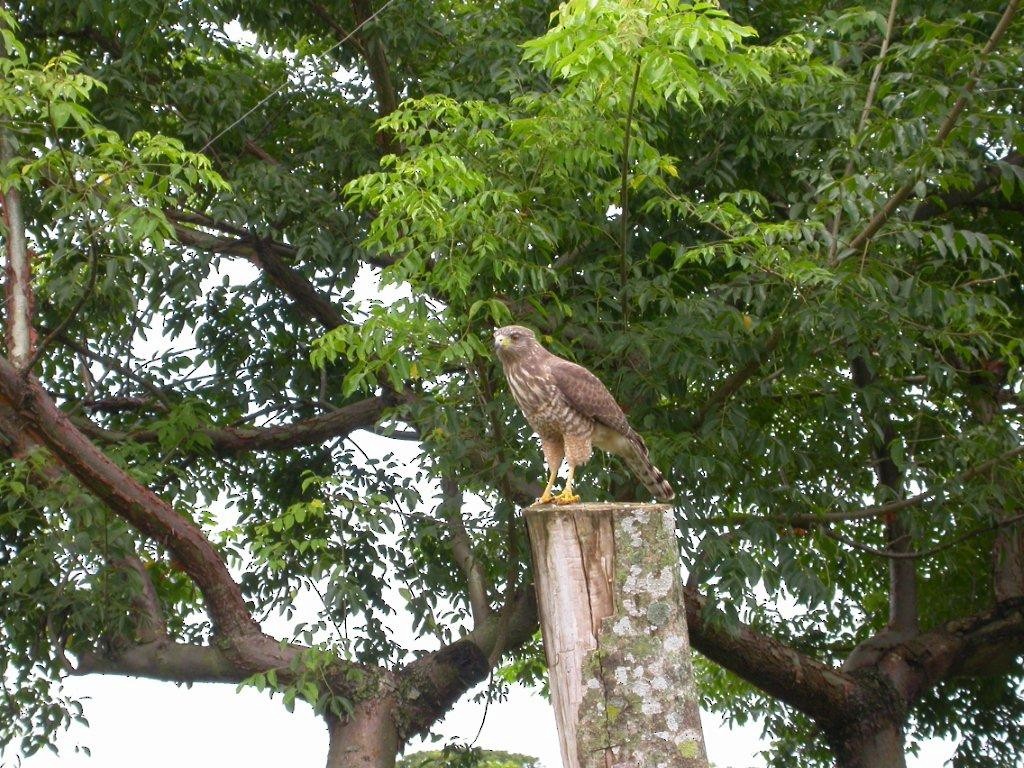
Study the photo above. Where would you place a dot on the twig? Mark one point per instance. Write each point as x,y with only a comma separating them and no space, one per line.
734,381
116,365
922,553
82,300
896,506
811,520
476,579
342,634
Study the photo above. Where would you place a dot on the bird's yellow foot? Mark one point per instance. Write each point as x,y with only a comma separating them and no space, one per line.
545,498
566,497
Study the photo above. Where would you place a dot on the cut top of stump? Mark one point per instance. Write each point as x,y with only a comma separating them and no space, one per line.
594,507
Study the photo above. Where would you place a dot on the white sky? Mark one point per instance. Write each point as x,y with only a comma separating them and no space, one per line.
165,726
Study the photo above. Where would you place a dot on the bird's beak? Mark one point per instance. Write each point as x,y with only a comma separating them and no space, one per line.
501,341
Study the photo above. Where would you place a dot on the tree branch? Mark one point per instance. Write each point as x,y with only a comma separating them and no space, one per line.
150,624
911,501
816,689
259,152
903,605
1008,558
424,691
1005,522
17,441
985,644
869,101
376,60
113,364
87,290
130,500
734,381
810,520
307,298
372,52
118,404
267,254
246,650
230,440
178,662
441,677
937,205
17,268
164,660
476,579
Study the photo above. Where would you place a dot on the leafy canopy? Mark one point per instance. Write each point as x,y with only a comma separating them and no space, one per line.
725,313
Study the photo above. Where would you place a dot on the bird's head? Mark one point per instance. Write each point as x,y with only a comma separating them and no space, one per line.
514,341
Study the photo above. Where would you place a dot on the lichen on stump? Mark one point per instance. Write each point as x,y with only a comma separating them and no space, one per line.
614,628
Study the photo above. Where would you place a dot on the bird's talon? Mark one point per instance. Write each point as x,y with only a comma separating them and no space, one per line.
545,498
565,498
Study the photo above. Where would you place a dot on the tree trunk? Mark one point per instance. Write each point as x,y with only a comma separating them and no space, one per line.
614,627
366,739
1008,561
879,747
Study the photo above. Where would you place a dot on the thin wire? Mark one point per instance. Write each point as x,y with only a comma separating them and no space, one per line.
277,90
487,707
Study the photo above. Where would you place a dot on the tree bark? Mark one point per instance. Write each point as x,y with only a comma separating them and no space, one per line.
1008,562
368,738
17,269
818,690
881,748
614,626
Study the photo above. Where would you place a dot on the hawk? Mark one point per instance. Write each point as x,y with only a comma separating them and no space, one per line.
571,411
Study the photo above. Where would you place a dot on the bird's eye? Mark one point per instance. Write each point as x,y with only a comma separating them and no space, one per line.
515,336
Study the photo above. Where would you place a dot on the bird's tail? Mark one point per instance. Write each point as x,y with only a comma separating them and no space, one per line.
639,462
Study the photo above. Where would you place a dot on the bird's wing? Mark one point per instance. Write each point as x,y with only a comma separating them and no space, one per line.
586,394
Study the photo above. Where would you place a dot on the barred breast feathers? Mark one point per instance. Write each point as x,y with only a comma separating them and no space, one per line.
530,387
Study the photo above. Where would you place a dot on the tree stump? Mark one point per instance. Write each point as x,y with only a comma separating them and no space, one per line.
614,628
